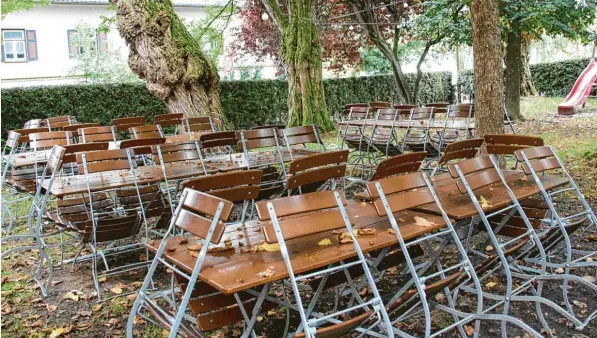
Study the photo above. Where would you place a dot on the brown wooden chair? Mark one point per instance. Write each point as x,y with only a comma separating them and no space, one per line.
202,216
398,165
457,151
24,139
147,131
502,144
440,107
463,113
383,137
98,134
303,220
73,128
218,142
57,123
142,146
237,187
417,137
34,123
197,124
124,123
167,120
312,173
270,126
46,140
302,136
377,105
404,106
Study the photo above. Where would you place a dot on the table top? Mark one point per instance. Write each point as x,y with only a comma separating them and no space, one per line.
76,184
451,124
238,269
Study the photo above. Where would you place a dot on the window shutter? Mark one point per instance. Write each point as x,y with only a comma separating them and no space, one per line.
72,48
102,42
31,38
3,52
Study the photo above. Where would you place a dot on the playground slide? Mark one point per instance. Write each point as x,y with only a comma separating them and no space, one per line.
581,90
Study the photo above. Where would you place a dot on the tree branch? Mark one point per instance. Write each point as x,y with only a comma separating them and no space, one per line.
273,9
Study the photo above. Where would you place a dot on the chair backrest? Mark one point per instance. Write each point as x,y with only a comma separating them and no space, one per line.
359,112
479,172
170,119
194,124
503,144
73,128
461,150
301,135
305,221
101,161
349,106
317,168
258,138
402,192
440,107
270,126
70,151
234,186
462,110
12,141
148,131
400,164
48,139
142,146
218,139
111,229
58,122
377,105
35,123
25,133
404,106
124,123
197,211
179,152
55,159
423,113
541,158
98,134
387,114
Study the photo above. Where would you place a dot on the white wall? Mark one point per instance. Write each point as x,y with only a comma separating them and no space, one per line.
51,24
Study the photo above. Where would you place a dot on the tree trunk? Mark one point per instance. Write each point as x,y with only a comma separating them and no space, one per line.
489,82
513,70
162,52
301,52
420,72
527,87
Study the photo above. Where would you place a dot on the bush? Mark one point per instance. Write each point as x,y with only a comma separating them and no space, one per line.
551,79
245,103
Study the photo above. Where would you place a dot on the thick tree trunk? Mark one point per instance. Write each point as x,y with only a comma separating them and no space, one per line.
162,52
513,71
301,52
527,87
489,82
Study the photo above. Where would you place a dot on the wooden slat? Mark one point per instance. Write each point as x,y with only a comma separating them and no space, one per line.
315,175
332,157
396,184
293,205
534,153
542,165
470,166
306,225
206,204
404,201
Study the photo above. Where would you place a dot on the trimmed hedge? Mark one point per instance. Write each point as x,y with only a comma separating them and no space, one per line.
245,103
551,79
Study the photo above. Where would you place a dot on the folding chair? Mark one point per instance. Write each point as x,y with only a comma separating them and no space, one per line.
125,123
169,120
355,138
440,107
73,128
302,136
142,148
110,233
237,187
397,165
59,122
457,151
451,132
476,177
378,105
312,173
408,107
35,123
203,216
270,160
508,122
25,140
417,137
270,126
383,137
10,197
147,131
197,124
398,193
297,219
98,134
43,142
218,143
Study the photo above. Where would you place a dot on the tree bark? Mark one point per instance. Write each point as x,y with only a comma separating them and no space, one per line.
162,52
489,82
513,70
527,85
301,52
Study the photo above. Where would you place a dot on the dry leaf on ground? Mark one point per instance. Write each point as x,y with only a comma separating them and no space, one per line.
71,295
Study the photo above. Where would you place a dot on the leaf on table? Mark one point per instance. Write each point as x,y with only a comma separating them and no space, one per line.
325,242
194,254
422,222
401,220
371,242
391,231
267,273
195,247
72,295
270,247
483,202
171,249
183,240
344,237
366,231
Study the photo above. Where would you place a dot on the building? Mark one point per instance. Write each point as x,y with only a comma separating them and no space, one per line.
37,47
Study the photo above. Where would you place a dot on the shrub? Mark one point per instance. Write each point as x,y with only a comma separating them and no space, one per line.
245,103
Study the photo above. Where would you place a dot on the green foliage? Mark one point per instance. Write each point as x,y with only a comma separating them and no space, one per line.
245,103
209,31
550,79
96,67
11,6
374,63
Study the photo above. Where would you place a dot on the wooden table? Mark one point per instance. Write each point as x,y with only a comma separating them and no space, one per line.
452,124
233,271
77,184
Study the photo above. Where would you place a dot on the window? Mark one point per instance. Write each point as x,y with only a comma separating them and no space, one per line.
96,40
13,44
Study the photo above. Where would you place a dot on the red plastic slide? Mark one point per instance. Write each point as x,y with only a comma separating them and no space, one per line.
581,90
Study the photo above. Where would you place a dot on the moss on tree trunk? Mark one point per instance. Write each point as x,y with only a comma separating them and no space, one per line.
489,82
301,52
162,52
513,70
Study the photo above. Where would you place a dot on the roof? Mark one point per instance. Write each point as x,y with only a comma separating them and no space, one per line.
175,3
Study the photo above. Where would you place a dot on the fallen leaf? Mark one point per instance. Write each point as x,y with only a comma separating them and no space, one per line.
422,222
83,326
271,247
440,297
488,248
579,304
267,273
484,203
401,220
97,307
590,279
195,247
325,242
559,271
391,231
71,295
60,331
116,290
345,237
592,237
366,232
102,279
469,330
491,285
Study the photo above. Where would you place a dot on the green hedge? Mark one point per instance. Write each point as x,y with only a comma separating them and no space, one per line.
245,103
551,79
